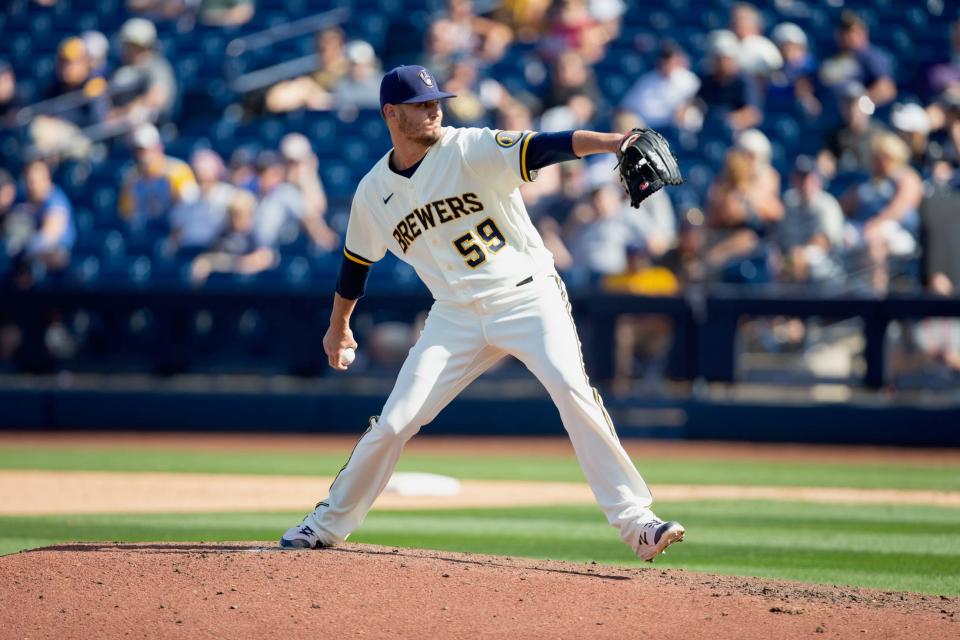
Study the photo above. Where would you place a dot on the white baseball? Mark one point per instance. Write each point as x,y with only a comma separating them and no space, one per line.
347,356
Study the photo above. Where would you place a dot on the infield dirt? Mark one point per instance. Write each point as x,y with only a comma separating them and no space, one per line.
359,591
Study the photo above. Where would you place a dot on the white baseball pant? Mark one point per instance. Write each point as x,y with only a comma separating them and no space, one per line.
459,342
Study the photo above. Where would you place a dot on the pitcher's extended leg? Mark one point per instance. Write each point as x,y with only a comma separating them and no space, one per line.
544,338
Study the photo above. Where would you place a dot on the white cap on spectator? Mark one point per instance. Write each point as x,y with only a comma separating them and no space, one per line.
295,146
606,10
96,43
753,141
139,32
723,43
360,52
145,136
910,118
789,33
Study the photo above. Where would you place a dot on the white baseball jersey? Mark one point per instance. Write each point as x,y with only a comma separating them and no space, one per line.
461,224
458,221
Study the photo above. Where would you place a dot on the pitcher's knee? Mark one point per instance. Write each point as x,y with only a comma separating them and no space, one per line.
390,428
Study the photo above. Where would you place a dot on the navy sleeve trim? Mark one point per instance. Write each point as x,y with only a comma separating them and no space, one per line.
545,149
352,280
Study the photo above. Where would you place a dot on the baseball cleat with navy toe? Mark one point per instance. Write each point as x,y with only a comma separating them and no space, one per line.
301,536
656,536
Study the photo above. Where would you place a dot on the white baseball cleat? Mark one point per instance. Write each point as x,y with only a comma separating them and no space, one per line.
656,536
301,536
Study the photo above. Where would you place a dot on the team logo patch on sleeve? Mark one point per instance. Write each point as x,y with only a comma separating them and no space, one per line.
507,139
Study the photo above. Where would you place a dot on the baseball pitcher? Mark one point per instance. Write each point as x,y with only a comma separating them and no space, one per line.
445,200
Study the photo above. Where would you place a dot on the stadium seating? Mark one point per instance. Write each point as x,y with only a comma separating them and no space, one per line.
348,144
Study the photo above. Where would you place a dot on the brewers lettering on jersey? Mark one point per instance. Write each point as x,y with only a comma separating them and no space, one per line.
446,201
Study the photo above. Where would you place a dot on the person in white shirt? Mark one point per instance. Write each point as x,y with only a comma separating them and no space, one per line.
446,201
658,95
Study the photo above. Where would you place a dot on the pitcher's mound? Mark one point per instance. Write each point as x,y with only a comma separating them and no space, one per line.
247,590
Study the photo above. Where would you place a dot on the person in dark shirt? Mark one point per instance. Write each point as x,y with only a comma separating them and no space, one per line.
849,149
74,73
237,249
858,61
726,89
145,87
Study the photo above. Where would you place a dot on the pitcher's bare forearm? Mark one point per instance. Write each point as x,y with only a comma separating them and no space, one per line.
339,336
588,143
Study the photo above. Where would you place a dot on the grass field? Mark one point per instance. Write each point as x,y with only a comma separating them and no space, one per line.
887,547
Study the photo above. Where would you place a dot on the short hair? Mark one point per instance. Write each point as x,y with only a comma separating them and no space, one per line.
850,20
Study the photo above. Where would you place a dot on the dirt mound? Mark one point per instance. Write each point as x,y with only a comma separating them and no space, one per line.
359,591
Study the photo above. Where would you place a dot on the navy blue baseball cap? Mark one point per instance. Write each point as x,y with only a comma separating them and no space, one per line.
410,84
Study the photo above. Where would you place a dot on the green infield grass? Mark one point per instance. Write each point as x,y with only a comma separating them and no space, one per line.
914,548
891,548
941,477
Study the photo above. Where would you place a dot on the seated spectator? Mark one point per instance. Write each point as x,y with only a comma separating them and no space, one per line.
440,49
195,224
763,177
303,173
911,122
569,76
156,184
758,56
811,234
653,222
283,208
849,149
467,108
478,37
740,215
237,249
577,113
10,99
944,117
313,91
574,29
360,88
657,96
725,89
600,232
882,212
858,61
75,73
685,260
794,83
58,131
945,75
145,87
242,169
39,229
98,48
225,13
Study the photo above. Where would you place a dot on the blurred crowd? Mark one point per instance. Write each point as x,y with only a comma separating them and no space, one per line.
861,209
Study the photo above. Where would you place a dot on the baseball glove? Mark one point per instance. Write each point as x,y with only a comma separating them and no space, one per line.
646,164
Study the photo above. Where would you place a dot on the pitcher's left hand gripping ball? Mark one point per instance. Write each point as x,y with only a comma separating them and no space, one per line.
646,164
